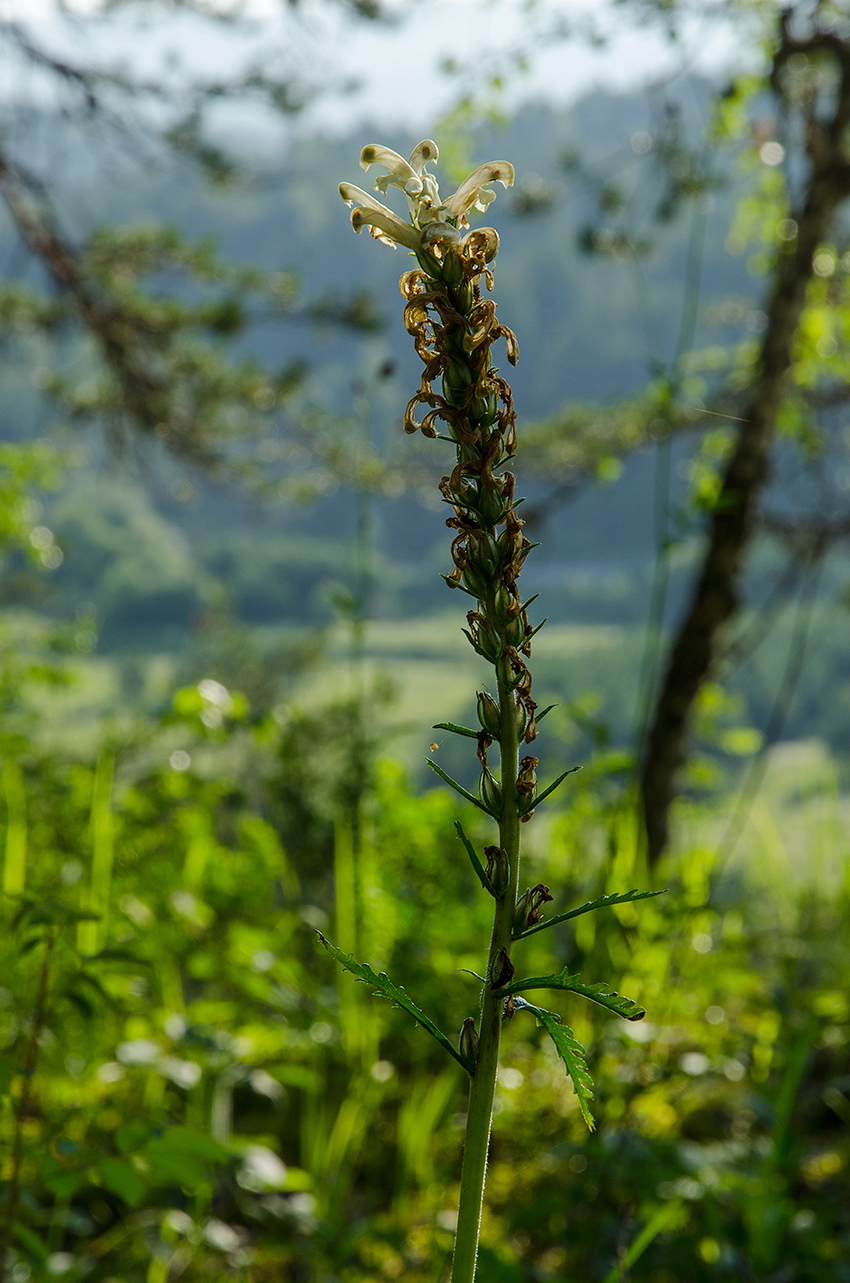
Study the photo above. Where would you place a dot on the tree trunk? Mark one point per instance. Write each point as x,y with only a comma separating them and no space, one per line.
717,593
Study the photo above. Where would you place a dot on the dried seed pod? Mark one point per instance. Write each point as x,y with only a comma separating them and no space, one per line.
529,908
497,870
502,971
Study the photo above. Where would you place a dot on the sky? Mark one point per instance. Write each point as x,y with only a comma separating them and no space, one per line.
389,75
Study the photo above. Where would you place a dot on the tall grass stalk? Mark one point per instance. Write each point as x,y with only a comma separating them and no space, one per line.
454,326
15,862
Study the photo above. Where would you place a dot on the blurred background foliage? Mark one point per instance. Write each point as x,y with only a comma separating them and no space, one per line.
225,642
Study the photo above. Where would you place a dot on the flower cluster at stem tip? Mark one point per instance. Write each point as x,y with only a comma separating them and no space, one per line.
453,329
434,224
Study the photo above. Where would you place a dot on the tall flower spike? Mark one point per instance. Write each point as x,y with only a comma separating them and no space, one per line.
453,330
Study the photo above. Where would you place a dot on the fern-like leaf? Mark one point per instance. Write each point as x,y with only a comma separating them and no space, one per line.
571,1052
601,993
602,902
381,984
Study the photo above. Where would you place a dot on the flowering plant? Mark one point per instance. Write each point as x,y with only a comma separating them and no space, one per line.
453,329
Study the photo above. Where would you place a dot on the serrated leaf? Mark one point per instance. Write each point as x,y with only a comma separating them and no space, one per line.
602,902
608,998
458,788
571,1052
474,860
384,986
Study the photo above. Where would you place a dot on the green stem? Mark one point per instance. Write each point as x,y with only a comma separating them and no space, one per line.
483,1086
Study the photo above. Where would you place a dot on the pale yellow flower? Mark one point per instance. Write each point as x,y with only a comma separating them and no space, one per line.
433,222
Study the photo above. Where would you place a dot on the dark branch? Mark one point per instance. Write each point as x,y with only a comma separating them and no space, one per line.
734,519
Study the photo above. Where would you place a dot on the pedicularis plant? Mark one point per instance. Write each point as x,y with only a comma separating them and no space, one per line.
453,329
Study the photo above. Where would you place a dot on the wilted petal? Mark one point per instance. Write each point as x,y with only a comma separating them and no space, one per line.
472,190
423,154
482,243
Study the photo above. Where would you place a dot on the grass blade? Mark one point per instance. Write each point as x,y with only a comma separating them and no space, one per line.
660,1221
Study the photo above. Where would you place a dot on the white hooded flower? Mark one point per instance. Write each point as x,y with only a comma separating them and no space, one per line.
368,212
432,222
472,191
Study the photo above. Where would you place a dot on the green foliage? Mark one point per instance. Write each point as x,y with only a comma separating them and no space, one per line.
382,985
169,1103
571,1052
602,902
601,993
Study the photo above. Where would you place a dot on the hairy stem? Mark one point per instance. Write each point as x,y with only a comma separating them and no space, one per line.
483,1085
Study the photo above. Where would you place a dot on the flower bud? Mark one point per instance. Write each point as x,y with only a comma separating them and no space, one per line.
489,643
488,714
483,550
491,507
490,792
506,672
452,261
507,605
474,582
465,297
456,378
515,632
468,1045
483,410
497,870
521,719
